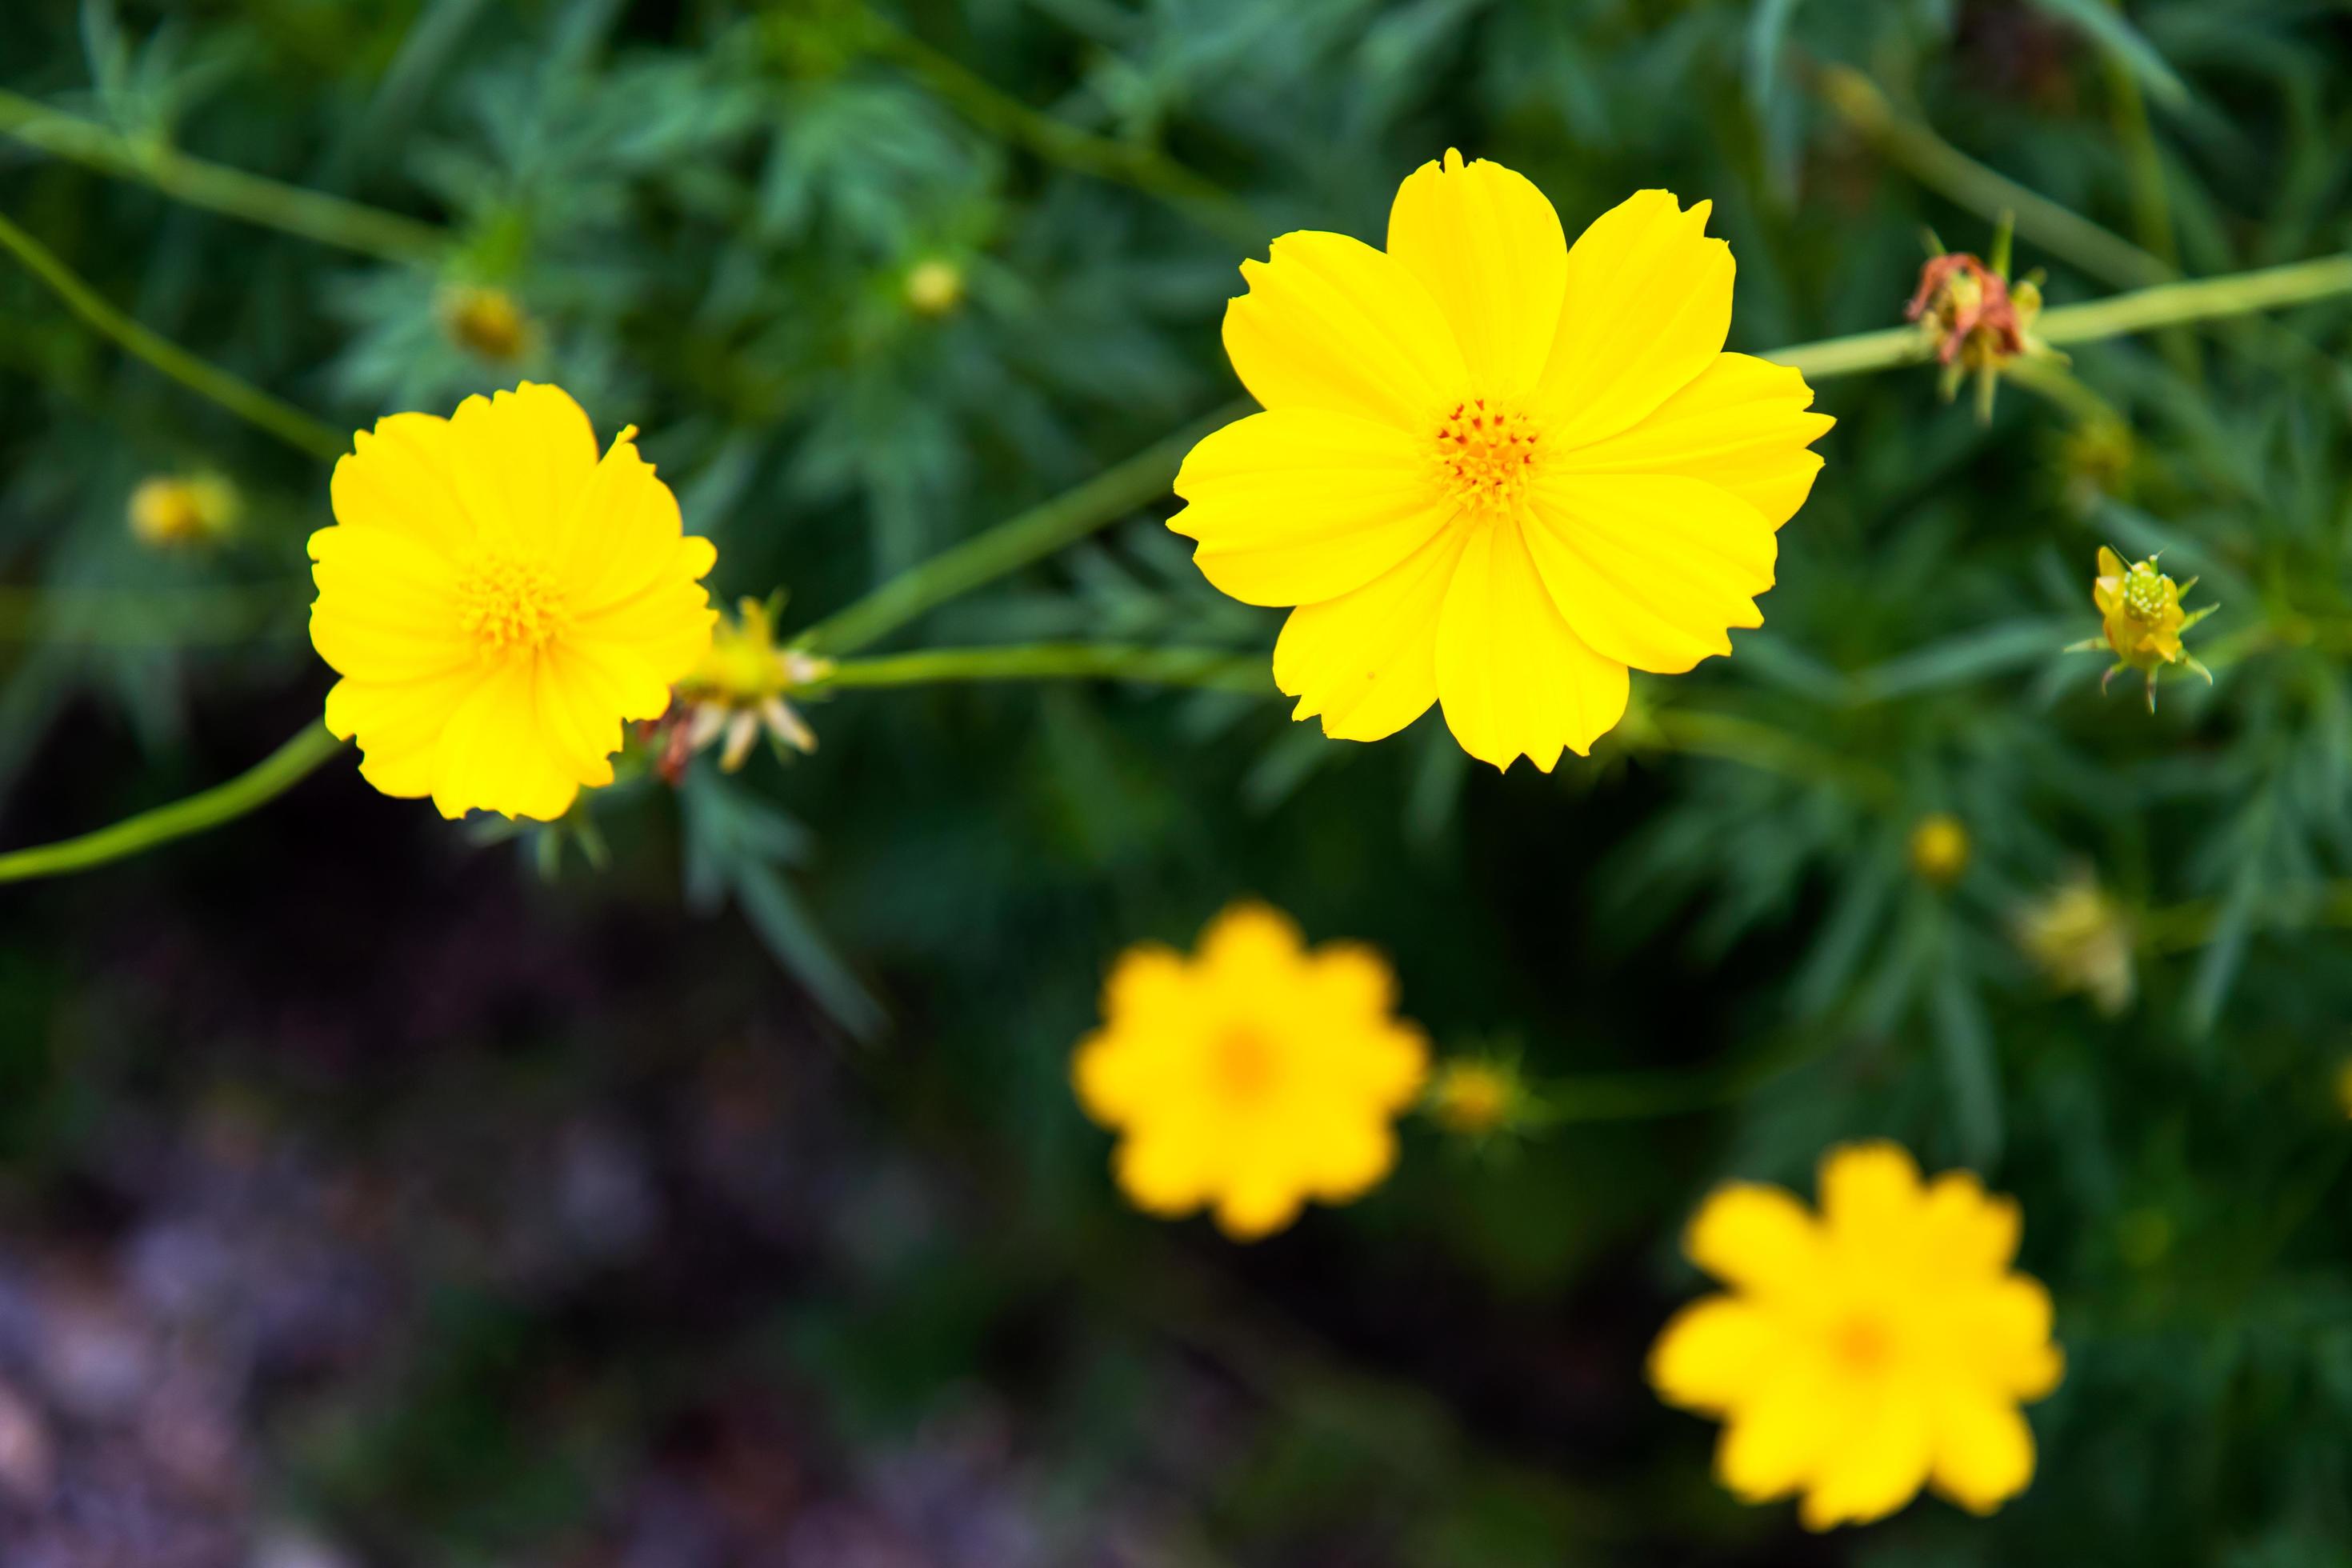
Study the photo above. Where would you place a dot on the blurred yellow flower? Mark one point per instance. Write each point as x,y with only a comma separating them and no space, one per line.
2140,614
497,600
1494,471
1883,1346
1477,1097
934,287
485,321
739,685
168,511
2081,941
1251,1077
1939,848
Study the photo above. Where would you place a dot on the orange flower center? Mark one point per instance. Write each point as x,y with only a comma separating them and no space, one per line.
1485,454
1862,1343
1243,1062
508,605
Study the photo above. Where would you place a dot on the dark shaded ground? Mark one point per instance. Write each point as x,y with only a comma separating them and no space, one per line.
370,1202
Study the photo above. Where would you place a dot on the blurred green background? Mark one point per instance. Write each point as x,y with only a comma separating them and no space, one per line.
380,1191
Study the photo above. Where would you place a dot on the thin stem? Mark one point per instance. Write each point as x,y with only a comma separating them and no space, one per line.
313,215
1218,669
1124,163
264,782
2202,299
2119,315
1013,544
240,397
1937,164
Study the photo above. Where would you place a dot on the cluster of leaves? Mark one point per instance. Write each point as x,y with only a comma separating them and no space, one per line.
711,214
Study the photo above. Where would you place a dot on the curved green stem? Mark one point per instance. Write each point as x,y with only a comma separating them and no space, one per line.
264,782
313,215
1013,544
240,397
1124,163
1937,164
1217,669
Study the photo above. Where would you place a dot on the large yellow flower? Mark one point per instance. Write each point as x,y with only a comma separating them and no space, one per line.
1253,1076
1859,1356
1494,471
497,600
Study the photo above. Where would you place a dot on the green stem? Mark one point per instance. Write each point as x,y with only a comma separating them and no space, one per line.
1013,544
313,215
1937,164
2119,315
240,397
1218,669
1124,163
2202,299
265,781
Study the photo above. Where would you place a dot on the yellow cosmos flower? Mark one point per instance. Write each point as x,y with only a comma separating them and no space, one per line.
1883,1346
1253,1077
497,600
1494,471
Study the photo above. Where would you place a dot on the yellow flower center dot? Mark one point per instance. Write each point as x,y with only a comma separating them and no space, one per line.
1485,454
1244,1064
1862,1343
508,605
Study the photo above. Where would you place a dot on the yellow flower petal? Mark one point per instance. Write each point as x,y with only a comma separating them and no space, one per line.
1651,569
1774,1439
1967,1232
1647,306
1258,1203
1331,323
1757,1238
530,452
1367,661
1870,1197
1513,678
1743,425
1983,1450
492,756
1715,1352
1164,1175
1490,249
400,724
1301,505
1876,1462
397,479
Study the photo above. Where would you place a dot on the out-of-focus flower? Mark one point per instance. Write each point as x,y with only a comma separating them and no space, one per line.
497,600
1253,1076
1494,471
2142,619
2344,1089
2080,939
2096,461
486,320
1939,848
740,689
1480,1096
934,287
168,511
1859,1355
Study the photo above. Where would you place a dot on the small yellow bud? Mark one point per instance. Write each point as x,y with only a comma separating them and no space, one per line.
2142,619
935,286
169,512
1939,848
485,321
1479,1097
2081,940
